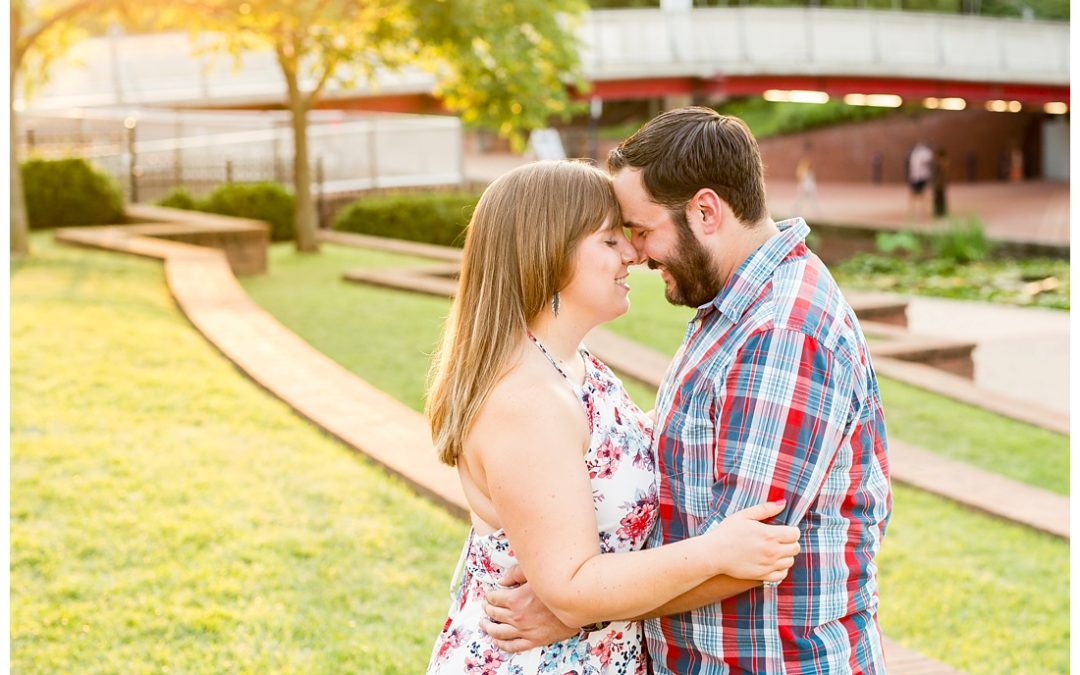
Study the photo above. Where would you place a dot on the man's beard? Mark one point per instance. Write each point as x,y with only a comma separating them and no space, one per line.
694,279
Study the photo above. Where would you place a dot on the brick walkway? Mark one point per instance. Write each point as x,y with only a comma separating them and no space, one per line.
1035,212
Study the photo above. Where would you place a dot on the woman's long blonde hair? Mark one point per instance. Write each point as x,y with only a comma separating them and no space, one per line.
519,249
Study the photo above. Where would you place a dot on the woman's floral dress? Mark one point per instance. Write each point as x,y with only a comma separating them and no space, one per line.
623,474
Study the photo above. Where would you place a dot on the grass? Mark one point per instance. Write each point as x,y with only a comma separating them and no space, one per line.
937,423
964,588
977,593
167,515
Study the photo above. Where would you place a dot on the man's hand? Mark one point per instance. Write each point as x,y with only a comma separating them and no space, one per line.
517,619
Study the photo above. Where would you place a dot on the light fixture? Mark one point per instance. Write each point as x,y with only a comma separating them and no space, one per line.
932,103
953,104
795,96
997,105
1056,108
878,100
1014,106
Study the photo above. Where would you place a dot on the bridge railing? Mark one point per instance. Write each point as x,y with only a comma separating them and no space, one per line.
704,42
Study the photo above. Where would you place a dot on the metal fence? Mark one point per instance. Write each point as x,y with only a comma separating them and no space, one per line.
150,153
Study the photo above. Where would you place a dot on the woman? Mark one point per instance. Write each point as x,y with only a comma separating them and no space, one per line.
554,458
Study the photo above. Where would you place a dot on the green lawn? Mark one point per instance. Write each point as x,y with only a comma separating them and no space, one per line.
168,515
956,585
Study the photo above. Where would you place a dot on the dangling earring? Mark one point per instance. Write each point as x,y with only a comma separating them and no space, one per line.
555,304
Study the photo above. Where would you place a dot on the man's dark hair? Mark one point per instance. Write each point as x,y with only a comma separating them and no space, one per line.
682,151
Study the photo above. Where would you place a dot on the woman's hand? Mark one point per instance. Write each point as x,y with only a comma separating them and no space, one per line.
749,549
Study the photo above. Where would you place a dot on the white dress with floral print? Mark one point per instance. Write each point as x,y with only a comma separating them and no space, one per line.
623,475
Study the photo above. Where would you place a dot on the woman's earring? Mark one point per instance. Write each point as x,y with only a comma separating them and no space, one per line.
555,304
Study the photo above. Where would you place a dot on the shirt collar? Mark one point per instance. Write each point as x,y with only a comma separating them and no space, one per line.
756,270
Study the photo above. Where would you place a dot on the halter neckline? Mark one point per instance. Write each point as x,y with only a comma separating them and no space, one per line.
554,361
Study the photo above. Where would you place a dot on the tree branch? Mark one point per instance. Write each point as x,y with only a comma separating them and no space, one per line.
25,42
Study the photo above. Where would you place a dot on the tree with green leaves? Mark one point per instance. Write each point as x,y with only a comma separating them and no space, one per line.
40,33
501,64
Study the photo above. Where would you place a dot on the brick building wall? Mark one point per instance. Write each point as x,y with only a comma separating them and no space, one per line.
978,144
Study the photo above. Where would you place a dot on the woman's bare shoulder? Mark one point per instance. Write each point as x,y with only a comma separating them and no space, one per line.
531,398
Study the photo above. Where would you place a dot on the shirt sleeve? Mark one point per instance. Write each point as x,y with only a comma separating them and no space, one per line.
782,413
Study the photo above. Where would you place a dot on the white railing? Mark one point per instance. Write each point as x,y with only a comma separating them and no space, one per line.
627,43
706,42
158,149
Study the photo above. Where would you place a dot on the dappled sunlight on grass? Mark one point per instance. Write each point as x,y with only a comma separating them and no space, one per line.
168,514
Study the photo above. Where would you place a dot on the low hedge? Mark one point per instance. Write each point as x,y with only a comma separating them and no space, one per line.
266,201
429,217
65,192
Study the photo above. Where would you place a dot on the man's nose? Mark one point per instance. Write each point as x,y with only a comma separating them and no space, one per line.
637,248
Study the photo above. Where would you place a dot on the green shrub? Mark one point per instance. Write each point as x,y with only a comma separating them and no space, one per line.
178,198
62,192
962,243
430,217
262,201
898,243
266,201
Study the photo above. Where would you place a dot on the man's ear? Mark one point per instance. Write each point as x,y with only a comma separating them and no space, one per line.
706,211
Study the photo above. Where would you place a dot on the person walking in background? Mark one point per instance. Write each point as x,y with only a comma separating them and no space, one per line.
805,184
941,182
920,169
771,394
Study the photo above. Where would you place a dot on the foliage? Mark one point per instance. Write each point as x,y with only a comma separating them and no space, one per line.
62,192
168,515
954,263
39,33
179,198
431,217
775,118
990,575
265,201
503,65
262,201
1037,282
902,243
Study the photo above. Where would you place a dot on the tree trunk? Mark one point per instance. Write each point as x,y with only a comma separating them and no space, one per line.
306,221
20,236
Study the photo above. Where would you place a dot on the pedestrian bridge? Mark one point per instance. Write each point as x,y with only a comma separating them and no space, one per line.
636,53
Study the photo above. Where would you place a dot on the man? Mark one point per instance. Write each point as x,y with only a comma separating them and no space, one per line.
770,396
920,169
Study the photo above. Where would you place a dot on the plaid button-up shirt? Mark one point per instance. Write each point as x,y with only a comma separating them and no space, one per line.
772,395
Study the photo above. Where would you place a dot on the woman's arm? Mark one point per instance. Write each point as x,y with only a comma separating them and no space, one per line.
530,444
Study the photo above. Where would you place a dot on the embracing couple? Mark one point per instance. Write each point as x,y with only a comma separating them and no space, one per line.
731,530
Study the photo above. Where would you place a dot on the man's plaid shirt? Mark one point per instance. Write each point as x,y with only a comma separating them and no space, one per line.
772,395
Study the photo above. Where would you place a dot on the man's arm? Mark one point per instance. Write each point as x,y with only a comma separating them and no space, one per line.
785,409
519,621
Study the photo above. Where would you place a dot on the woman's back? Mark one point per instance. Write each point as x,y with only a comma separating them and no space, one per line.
621,471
